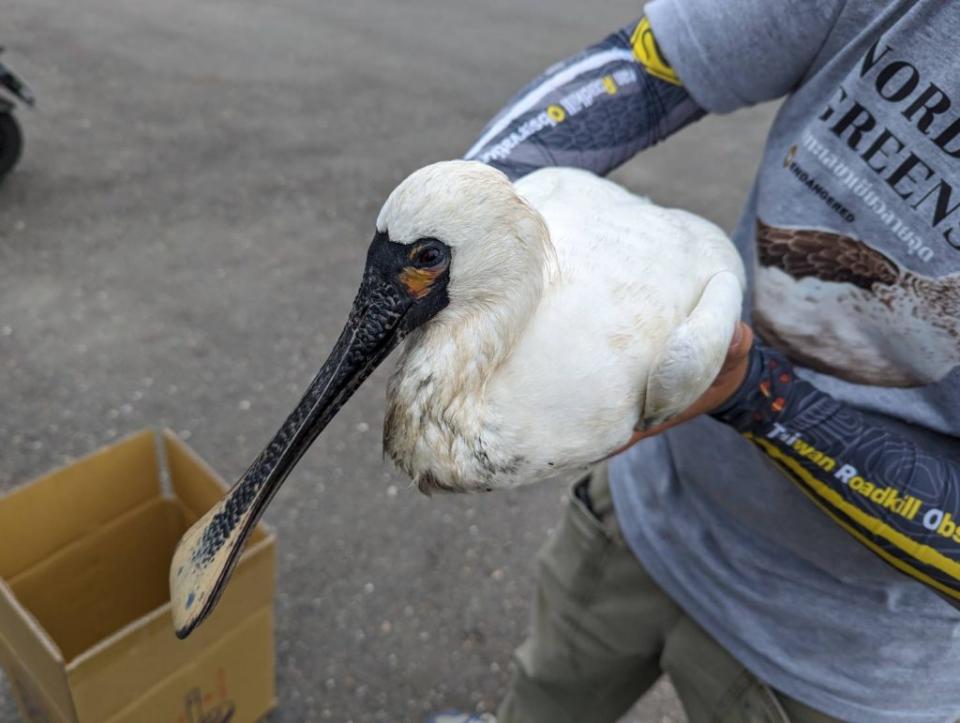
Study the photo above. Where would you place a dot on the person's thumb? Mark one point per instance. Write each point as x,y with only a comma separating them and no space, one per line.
739,348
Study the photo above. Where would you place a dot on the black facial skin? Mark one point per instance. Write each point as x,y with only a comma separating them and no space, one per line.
391,258
384,311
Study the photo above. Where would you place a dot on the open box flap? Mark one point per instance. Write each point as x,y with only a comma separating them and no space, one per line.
105,580
119,669
56,509
27,651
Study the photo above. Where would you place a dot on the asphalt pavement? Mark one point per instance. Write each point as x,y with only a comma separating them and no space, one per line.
180,247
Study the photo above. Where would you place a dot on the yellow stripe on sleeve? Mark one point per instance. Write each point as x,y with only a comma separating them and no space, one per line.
923,553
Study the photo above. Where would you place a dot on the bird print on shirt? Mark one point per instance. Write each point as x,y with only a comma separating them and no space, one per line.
837,305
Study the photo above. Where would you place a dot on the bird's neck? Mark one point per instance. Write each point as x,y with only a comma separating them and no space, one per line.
476,338
437,391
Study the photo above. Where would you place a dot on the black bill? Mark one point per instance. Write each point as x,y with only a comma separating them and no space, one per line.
383,312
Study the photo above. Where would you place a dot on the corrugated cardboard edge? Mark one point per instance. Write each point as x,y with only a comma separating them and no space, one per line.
78,516
153,431
46,669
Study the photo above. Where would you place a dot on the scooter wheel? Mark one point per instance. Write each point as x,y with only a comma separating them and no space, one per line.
11,143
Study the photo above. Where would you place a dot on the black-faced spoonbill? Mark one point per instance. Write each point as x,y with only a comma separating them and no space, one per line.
547,320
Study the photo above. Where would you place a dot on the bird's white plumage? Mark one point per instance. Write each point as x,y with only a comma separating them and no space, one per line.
620,317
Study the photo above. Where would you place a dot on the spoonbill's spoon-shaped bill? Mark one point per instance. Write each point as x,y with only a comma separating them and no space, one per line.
551,318
402,286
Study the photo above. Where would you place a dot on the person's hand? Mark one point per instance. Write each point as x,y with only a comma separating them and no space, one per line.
728,381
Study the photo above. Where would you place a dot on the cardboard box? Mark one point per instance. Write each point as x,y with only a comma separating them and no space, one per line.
85,627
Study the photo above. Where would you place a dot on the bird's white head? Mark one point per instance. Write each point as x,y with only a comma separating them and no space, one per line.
469,216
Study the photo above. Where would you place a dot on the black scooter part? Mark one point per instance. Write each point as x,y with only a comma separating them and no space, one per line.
11,140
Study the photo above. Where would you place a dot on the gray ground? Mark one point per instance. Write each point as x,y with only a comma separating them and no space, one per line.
180,246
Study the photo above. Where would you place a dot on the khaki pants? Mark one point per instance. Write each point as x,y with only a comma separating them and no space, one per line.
603,632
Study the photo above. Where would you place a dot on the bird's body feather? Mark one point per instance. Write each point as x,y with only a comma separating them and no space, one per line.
612,322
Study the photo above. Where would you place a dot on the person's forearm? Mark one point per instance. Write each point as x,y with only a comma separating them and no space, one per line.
593,111
900,500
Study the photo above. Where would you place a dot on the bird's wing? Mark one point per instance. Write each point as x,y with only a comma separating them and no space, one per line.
806,252
694,352
631,273
600,228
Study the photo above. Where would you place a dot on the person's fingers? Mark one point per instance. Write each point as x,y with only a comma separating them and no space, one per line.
744,340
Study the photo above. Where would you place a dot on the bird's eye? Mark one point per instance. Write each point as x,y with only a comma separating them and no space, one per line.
430,256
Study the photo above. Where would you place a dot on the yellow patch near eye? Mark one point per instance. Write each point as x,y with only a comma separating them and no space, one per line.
418,281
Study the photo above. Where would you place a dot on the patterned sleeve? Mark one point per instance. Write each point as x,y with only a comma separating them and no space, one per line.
896,498
593,111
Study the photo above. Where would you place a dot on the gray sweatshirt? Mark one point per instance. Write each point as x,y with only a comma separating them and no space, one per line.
852,237
853,233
